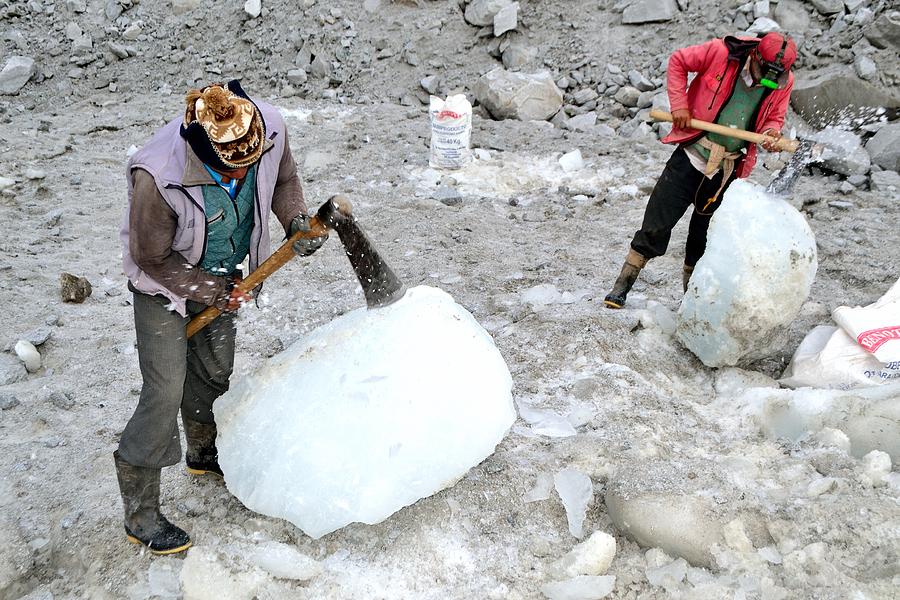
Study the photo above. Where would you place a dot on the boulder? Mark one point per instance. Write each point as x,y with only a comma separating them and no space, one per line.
828,7
15,74
844,152
884,147
836,94
481,12
649,11
527,97
792,16
885,31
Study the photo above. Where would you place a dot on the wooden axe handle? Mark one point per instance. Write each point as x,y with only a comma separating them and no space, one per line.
783,144
277,260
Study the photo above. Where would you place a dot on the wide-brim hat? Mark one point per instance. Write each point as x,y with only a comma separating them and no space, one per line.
223,126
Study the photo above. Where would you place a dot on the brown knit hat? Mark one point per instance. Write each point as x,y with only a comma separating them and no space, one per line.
223,126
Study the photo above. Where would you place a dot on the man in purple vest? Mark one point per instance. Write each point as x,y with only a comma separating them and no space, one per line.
199,197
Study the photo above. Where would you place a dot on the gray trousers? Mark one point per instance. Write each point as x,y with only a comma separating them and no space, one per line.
178,374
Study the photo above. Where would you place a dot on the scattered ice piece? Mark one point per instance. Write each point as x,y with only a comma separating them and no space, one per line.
820,486
571,161
541,489
749,284
208,575
834,437
35,174
657,315
546,422
669,575
770,554
584,587
581,415
131,150
591,557
29,355
546,293
481,154
736,537
576,491
253,7
164,578
6,182
366,414
284,562
876,466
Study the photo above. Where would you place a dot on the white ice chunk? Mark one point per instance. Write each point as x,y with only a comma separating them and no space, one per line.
571,161
876,466
591,557
163,578
29,355
759,264
576,491
584,587
541,489
546,422
283,561
668,576
366,414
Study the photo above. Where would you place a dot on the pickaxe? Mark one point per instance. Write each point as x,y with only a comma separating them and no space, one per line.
803,150
379,283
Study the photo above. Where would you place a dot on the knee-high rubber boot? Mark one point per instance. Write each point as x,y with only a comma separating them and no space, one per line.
201,454
143,522
686,273
634,262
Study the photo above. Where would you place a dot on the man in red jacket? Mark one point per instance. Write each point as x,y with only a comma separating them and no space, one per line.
739,82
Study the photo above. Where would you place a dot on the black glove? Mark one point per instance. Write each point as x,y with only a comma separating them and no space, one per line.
305,246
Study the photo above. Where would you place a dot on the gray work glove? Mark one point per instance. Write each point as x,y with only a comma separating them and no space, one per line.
305,246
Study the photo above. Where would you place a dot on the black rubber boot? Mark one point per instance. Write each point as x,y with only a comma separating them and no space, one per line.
143,522
686,273
201,455
634,262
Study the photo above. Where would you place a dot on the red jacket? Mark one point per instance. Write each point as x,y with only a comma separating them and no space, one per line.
718,64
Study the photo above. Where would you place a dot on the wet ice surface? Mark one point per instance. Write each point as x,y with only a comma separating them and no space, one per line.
366,415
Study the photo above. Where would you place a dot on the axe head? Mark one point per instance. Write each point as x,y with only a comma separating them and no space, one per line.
379,283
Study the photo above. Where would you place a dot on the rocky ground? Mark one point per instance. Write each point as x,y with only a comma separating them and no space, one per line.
801,517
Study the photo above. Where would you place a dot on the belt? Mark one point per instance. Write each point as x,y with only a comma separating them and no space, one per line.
718,157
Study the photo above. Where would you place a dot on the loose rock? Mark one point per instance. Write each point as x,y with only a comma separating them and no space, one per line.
8,401
15,74
649,11
526,97
73,288
11,369
884,147
64,401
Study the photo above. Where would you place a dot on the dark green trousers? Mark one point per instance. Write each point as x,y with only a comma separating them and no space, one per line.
179,374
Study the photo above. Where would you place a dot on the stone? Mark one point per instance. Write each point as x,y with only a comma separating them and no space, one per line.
15,74
865,67
843,153
885,31
113,9
857,180
11,369
132,32
884,147
645,100
852,5
638,80
119,50
792,16
506,19
481,12
846,188
764,25
885,181
8,401
74,289
297,76
584,96
320,67
448,195
649,11
431,84
835,95
516,56
761,8
179,7
527,97
253,8
828,7
627,96
64,401
582,122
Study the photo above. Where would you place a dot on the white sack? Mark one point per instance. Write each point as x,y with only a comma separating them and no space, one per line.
876,327
451,130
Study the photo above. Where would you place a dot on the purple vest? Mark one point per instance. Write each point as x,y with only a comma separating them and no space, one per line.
164,157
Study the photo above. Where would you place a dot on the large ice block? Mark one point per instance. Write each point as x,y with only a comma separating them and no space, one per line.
366,414
759,264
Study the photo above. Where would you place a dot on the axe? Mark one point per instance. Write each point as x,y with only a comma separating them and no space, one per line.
379,283
803,151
